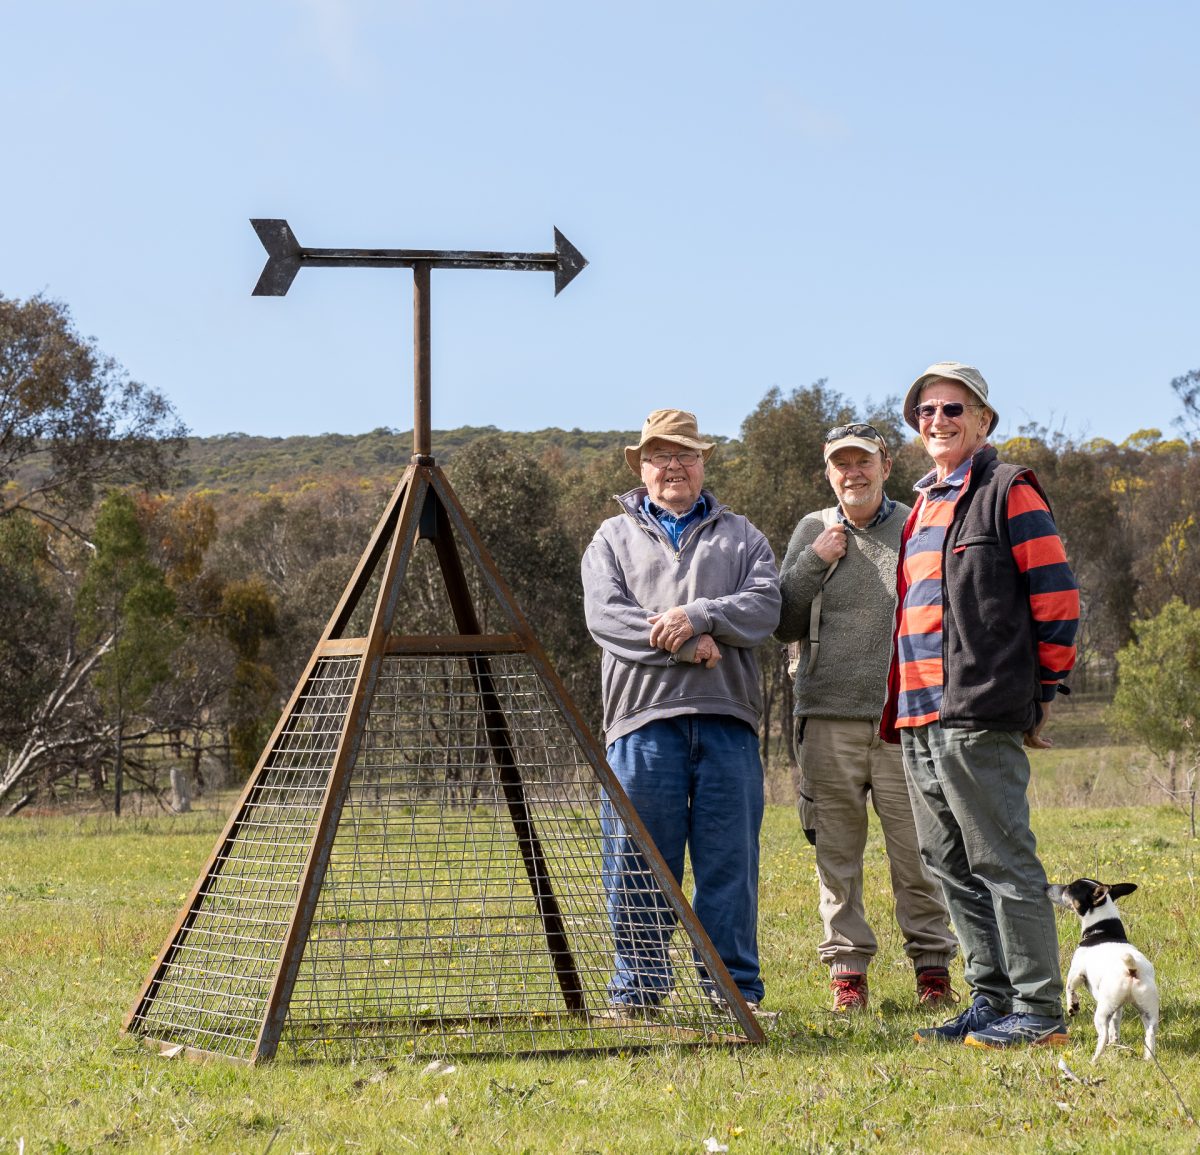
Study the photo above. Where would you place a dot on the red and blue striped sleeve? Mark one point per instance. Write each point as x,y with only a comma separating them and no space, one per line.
1053,591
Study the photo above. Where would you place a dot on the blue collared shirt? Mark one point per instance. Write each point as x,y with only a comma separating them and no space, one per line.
675,526
957,479
881,514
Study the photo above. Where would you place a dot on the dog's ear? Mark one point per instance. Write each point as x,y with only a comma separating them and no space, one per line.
1121,889
1099,894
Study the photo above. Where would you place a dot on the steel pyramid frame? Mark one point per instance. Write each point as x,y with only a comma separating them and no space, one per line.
414,867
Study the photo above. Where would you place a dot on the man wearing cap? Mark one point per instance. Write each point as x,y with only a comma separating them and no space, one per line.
985,634
838,583
678,591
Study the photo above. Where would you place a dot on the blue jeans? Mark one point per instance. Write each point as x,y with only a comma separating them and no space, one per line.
696,782
968,791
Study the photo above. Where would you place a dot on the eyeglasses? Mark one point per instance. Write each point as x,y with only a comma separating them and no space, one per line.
854,429
928,411
662,460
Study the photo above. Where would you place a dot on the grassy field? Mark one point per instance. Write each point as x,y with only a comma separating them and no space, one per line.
85,902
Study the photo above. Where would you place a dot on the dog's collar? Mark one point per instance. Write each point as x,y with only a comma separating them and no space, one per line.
1106,930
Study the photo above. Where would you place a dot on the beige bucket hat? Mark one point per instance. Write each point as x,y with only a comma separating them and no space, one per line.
966,375
675,425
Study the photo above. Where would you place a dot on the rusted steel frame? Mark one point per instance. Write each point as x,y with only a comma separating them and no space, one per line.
212,868
428,645
595,754
368,561
422,371
338,784
500,740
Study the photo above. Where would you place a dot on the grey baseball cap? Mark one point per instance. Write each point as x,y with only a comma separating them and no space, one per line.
966,375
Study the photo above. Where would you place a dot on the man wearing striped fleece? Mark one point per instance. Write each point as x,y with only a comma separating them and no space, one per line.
985,633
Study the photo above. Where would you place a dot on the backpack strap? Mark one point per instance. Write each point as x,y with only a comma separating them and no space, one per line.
829,518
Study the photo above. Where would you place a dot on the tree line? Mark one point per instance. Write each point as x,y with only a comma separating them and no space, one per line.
159,596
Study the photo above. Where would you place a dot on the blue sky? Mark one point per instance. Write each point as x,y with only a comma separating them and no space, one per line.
768,194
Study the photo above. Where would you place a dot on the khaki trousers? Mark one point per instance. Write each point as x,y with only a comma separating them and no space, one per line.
842,763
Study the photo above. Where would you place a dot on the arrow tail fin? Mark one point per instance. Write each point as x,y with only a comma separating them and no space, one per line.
283,257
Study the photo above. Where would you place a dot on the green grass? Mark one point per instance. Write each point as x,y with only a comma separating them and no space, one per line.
86,901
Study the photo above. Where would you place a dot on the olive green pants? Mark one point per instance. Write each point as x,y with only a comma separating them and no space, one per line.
843,764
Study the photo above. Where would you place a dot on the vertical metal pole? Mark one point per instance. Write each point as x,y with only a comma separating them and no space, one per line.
422,403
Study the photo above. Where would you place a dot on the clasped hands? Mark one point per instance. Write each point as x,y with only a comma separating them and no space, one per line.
671,629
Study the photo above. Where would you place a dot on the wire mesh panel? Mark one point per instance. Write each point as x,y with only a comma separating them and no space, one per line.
429,936
213,990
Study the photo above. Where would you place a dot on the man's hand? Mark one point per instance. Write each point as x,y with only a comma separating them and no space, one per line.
670,629
707,651
830,543
1033,738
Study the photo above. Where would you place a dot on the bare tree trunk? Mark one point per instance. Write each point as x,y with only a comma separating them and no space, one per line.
181,798
119,768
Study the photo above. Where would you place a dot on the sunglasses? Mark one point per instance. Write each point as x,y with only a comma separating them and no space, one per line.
928,411
854,429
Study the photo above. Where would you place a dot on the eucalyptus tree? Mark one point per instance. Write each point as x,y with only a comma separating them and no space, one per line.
126,607
71,421
71,424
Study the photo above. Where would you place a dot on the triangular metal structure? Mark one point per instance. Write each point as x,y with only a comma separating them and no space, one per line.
414,867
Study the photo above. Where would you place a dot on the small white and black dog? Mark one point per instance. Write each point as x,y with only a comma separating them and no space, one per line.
1106,963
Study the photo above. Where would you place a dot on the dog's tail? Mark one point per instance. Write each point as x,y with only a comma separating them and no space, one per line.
1131,965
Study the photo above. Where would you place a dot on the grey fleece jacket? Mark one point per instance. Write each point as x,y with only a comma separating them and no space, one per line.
725,578
858,612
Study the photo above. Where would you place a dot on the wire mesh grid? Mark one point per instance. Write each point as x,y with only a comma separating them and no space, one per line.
464,908
478,884
214,987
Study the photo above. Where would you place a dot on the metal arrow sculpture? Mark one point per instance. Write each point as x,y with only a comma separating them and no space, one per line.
286,256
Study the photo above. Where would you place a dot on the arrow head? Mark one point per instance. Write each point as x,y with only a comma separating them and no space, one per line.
283,257
571,262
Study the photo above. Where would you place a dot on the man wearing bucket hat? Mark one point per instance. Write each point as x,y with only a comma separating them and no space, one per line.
838,583
985,633
678,591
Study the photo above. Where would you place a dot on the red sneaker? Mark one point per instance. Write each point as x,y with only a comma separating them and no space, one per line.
934,989
849,991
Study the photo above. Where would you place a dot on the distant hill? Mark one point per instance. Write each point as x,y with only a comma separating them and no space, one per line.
241,463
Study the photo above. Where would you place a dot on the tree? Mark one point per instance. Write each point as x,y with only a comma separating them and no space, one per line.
71,422
31,617
1187,389
1158,697
514,505
125,598
248,617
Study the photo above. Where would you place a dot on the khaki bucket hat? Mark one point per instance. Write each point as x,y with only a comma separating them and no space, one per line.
675,425
966,375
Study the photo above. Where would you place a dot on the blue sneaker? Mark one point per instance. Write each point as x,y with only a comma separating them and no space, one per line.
977,1016
1020,1030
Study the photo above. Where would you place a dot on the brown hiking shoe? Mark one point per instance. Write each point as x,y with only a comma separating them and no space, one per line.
849,992
934,989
